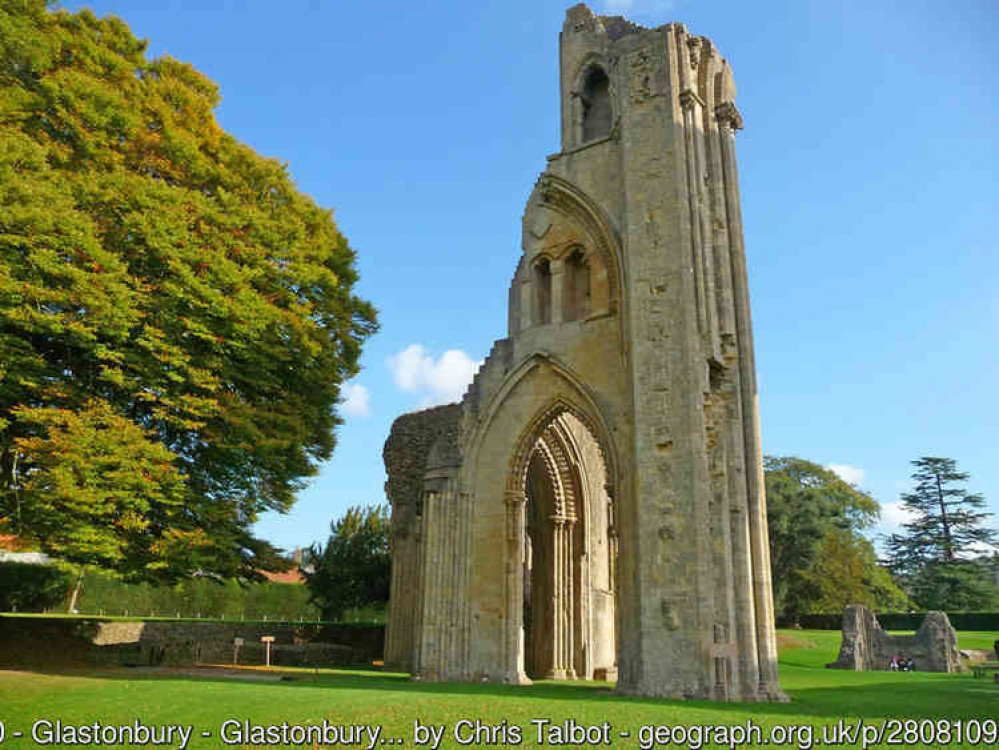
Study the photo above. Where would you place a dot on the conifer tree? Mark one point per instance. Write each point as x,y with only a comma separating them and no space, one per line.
933,555
354,568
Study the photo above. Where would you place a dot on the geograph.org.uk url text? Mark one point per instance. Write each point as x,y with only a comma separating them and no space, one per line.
539,732
843,733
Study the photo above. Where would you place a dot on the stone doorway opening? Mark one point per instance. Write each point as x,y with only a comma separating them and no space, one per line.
569,557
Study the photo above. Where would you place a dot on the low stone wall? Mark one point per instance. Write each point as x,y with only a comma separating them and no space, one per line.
49,642
866,646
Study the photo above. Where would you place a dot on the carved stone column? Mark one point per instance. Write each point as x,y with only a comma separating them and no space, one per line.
729,120
514,584
691,104
612,544
558,290
569,601
557,671
745,670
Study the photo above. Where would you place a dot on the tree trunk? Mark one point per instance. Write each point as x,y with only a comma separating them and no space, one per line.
76,590
948,543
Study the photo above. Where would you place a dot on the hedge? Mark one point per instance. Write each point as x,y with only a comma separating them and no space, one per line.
38,588
27,587
197,598
976,621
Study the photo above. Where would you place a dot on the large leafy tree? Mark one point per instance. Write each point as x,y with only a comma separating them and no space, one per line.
815,521
353,569
934,553
845,570
176,320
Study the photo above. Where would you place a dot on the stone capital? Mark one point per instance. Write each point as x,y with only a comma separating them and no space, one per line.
515,497
689,97
727,114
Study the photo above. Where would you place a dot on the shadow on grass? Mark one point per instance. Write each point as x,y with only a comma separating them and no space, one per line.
860,695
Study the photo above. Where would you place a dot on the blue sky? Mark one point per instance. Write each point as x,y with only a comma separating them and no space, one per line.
868,169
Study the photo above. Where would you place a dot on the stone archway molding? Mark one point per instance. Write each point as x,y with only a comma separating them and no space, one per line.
588,412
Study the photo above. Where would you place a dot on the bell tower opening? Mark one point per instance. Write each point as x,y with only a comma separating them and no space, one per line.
596,105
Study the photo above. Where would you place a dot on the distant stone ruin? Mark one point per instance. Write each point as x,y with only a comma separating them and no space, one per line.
867,647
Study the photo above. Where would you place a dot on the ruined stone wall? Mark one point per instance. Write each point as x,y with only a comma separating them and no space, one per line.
416,440
866,646
666,176
406,452
657,362
26,641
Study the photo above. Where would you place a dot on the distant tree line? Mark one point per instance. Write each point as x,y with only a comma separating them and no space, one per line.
353,568
821,560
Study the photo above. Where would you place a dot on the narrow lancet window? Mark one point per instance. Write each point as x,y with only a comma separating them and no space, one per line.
543,293
576,298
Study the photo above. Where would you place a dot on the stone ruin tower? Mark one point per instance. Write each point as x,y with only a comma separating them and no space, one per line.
594,507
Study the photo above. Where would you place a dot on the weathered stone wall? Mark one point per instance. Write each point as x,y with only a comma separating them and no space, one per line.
26,641
418,441
657,362
696,613
406,454
866,646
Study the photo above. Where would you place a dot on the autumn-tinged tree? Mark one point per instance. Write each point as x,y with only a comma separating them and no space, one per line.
100,489
176,320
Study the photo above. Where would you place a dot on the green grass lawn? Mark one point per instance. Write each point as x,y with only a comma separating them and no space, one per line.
819,697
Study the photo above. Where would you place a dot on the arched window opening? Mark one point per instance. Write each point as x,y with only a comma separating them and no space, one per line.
596,105
543,292
576,298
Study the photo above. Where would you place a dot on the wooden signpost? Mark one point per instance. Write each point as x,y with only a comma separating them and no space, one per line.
267,640
236,644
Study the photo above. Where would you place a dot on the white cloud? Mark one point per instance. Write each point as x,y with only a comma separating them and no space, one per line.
976,549
850,474
355,401
441,380
895,514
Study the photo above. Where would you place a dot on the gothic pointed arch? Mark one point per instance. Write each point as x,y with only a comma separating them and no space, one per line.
544,428
561,559
572,395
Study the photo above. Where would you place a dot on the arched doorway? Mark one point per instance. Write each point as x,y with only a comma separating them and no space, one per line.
569,551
